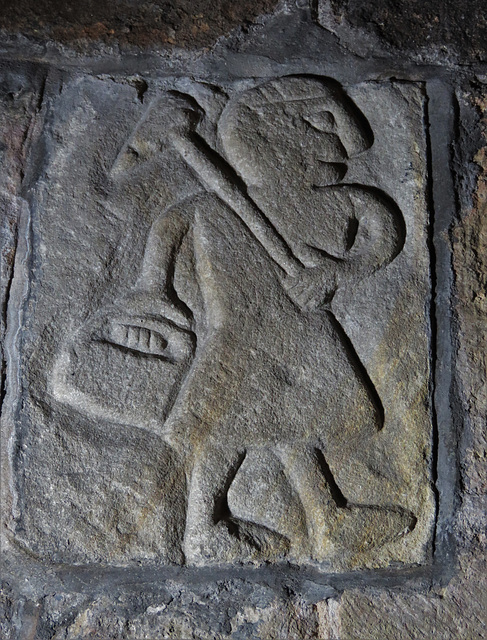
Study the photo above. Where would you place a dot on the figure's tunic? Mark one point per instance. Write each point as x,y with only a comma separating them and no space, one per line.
264,371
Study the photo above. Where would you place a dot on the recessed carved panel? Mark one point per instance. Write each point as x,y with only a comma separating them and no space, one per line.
226,355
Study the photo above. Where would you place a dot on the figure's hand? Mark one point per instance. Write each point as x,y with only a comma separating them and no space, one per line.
146,324
313,287
182,116
155,303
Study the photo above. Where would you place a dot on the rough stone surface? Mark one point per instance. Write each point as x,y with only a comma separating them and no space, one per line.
430,29
18,108
455,612
244,327
186,23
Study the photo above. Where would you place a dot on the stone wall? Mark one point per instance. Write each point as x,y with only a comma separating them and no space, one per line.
243,320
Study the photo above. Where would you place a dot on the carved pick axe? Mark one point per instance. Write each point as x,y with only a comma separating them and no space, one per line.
308,287
197,154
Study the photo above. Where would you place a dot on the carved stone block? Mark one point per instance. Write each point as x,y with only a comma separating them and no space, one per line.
225,353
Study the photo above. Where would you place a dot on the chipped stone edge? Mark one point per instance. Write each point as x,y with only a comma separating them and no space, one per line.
19,291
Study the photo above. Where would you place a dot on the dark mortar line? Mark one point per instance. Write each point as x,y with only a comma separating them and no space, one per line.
4,311
309,44
432,316
36,71
153,66
371,70
442,131
18,434
456,408
12,408
306,582
30,175
23,264
36,164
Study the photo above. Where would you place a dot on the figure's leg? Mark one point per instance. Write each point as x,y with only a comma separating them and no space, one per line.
302,467
332,523
201,427
212,534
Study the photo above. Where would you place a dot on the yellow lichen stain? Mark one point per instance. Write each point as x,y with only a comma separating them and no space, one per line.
469,244
401,372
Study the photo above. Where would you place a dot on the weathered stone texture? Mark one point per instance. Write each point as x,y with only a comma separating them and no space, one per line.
470,262
19,101
213,614
187,23
458,611
441,30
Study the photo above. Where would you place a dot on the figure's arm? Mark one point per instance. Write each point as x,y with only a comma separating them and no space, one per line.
219,177
164,240
214,179
153,292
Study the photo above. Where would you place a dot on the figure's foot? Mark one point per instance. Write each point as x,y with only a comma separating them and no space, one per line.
232,540
359,528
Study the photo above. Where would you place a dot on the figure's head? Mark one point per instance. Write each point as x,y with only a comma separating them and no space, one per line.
292,129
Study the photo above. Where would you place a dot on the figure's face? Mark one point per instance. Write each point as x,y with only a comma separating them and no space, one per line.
293,143
306,141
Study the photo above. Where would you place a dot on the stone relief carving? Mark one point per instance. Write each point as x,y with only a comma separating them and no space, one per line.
230,320
225,354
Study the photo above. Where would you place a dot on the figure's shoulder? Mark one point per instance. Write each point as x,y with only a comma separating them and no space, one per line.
186,208
200,202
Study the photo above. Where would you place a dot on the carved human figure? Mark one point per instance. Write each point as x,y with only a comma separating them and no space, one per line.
242,276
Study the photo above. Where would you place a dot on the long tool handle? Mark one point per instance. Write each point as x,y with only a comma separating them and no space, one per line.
215,180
